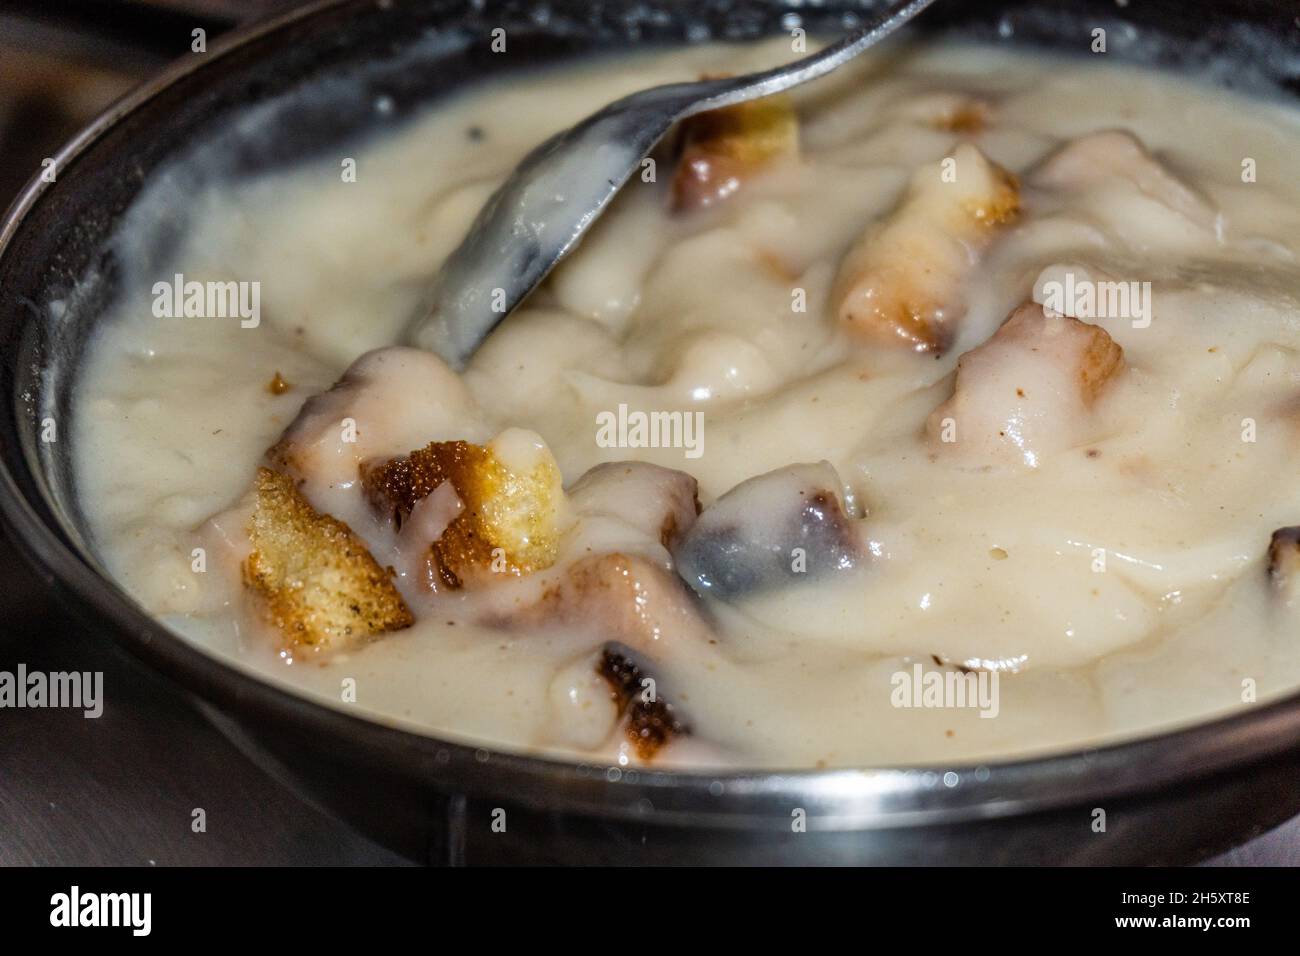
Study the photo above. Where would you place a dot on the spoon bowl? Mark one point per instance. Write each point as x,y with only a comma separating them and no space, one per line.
552,197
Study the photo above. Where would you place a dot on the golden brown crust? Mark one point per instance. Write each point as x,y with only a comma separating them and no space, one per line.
513,512
317,583
399,483
1028,391
1100,358
1101,361
901,282
1001,205
722,148
648,723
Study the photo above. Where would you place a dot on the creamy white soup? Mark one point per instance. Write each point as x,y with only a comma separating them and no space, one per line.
946,410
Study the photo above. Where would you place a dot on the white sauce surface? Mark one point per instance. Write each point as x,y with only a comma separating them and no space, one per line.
689,313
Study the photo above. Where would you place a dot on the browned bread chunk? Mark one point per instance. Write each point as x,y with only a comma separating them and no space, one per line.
723,148
516,512
901,282
1028,392
318,584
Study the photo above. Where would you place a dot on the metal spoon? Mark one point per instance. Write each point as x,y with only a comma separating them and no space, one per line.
538,215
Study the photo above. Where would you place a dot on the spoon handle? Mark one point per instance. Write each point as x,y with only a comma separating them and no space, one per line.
731,90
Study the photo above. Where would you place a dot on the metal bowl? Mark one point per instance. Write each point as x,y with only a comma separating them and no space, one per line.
1172,797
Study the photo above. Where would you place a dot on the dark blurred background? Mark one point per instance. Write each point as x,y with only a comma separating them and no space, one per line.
122,789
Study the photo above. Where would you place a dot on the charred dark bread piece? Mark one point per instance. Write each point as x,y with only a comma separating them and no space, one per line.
649,721
629,605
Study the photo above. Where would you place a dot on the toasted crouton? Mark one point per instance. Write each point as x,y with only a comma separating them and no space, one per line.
318,584
724,147
1028,390
901,282
515,507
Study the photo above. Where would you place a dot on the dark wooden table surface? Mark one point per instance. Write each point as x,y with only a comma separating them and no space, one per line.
122,788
